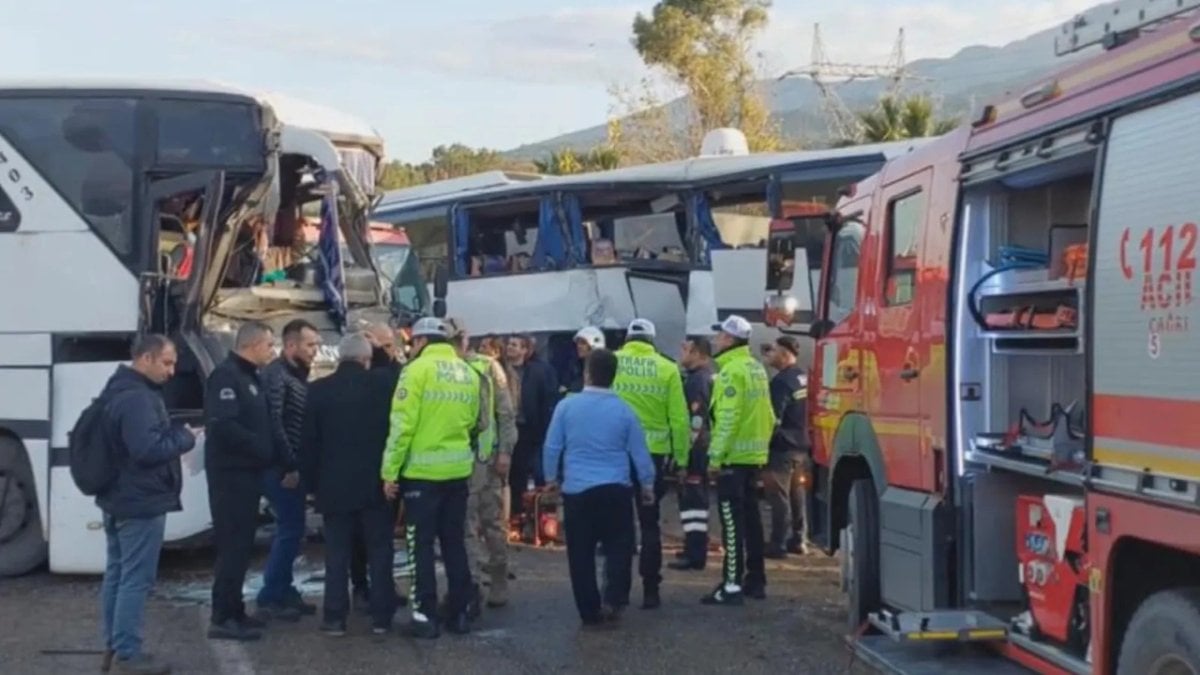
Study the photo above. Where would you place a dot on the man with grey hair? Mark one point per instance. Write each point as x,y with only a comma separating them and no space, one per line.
238,448
345,428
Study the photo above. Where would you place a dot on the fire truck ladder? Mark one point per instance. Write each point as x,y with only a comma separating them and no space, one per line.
1115,24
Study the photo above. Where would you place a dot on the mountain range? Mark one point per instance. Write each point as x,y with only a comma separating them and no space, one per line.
959,83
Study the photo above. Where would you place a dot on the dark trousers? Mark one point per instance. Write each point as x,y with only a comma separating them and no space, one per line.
741,527
784,488
693,509
438,510
601,515
649,515
374,524
233,497
358,551
526,463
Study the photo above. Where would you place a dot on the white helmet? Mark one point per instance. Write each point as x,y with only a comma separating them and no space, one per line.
591,336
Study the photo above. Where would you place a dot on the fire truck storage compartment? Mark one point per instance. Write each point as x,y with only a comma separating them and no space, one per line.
1020,365
1019,382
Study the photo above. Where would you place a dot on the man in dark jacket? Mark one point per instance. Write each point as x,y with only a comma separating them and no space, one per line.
345,429
238,449
696,358
783,478
385,366
147,446
535,394
286,383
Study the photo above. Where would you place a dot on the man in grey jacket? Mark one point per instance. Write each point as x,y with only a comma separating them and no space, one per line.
486,523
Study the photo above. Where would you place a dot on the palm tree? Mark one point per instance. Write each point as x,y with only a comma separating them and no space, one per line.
897,118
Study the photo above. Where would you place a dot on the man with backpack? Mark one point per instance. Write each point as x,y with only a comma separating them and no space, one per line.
126,442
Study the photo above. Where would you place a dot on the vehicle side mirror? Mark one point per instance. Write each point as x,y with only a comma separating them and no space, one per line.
779,310
820,328
833,221
441,283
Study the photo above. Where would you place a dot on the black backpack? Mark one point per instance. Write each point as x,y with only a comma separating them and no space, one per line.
93,461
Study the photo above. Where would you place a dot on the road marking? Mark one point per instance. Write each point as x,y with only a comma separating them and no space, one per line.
231,657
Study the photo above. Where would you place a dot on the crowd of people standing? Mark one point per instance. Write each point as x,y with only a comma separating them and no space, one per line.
453,438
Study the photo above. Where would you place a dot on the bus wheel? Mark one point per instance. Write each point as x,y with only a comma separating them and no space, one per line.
1164,636
22,548
860,554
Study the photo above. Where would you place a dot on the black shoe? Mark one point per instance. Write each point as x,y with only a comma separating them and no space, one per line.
651,599
755,591
232,630
424,630
685,565
797,547
333,628
460,624
143,664
279,613
362,600
720,596
252,622
296,601
611,613
775,553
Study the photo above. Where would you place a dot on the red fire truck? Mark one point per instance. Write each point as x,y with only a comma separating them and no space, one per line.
1006,389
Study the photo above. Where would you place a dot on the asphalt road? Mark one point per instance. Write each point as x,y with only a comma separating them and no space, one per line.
796,630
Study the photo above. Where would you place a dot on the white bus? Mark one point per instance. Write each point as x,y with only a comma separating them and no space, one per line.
102,185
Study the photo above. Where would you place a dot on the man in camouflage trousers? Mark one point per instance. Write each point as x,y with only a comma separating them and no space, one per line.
486,520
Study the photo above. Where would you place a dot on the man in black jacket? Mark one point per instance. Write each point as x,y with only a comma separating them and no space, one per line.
535,395
345,430
385,366
237,450
147,447
286,383
783,478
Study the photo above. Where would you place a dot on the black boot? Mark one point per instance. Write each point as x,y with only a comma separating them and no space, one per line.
231,629
650,598
720,596
424,630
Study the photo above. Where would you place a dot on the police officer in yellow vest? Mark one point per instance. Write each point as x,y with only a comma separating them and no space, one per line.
741,433
435,424
652,385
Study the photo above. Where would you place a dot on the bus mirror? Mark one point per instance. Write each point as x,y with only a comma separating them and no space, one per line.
441,283
779,310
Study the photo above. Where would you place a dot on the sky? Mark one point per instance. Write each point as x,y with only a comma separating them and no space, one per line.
480,72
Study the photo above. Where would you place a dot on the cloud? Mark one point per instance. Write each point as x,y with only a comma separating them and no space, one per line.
591,46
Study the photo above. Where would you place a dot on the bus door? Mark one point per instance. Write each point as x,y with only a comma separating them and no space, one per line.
184,214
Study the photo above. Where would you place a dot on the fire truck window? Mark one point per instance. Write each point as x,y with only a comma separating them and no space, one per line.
904,227
843,271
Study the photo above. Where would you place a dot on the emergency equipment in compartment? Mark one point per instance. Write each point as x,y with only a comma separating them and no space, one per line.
1054,567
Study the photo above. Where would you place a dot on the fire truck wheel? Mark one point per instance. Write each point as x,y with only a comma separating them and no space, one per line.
860,554
1164,636
22,548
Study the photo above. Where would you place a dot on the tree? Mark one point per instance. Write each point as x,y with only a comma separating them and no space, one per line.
446,161
703,46
567,161
898,118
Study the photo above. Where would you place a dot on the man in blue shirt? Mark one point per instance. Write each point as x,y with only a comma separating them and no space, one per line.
593,444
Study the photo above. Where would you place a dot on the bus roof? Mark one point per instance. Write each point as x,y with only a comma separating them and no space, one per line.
340,127
685,173
442,188
124,85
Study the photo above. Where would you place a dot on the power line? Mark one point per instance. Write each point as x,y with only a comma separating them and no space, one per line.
826,74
